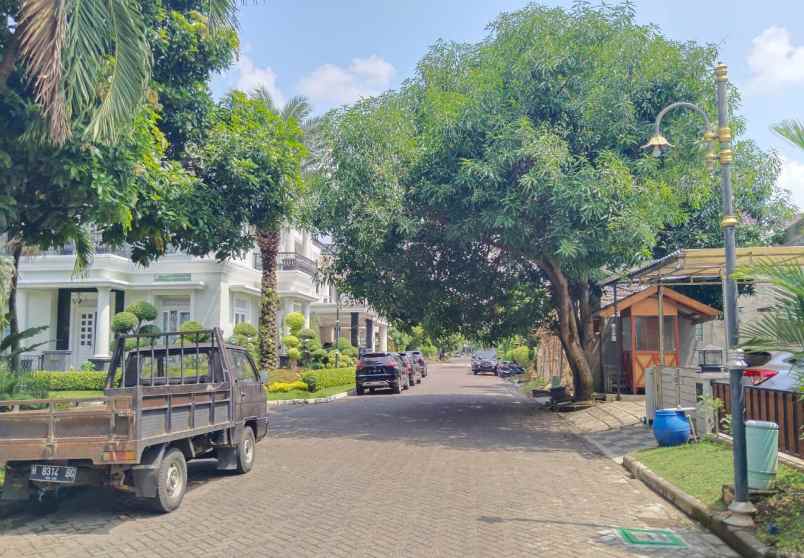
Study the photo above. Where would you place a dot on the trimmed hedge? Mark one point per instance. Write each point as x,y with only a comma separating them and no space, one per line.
332,377
69,381
284,387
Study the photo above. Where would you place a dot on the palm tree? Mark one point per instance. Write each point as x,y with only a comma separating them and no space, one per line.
86,58
299,109
792,131
782,328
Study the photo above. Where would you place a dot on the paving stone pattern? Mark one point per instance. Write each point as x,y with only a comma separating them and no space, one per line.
459,466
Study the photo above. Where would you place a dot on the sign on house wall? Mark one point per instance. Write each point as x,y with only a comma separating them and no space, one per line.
172,277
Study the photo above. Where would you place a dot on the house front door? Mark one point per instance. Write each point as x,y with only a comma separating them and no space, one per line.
83,334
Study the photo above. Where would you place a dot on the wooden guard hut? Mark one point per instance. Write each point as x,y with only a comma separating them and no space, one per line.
655,325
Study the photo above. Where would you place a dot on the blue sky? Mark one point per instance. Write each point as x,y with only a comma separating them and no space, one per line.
337,51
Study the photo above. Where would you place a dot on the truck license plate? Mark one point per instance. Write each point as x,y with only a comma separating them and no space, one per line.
53,473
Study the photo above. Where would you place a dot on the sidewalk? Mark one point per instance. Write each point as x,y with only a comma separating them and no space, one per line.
613,427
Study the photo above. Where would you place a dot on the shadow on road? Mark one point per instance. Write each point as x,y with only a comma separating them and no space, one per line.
490,421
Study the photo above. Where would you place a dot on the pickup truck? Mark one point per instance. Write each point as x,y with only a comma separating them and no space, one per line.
168,398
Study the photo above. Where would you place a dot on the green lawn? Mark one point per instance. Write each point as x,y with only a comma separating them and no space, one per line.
72,394
702,469
299,394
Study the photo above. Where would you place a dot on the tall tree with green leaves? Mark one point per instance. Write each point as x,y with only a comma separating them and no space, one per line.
250,170
505,178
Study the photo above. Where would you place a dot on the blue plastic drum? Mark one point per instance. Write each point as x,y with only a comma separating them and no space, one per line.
670,427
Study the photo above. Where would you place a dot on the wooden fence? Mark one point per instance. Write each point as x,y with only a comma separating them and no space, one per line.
785,408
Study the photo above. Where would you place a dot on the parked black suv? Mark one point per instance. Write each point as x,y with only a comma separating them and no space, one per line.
381,370
484,361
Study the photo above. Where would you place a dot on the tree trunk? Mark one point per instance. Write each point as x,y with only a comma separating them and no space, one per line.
569,331
13,323
268,244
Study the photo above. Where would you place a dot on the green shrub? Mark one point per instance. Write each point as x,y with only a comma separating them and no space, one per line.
245,329
308,333
311,382
332,377
149,329
429,351
521,355
88,366
290,341
190,326
343,344
68,381
294,354
284,387
319,354
21,386
294,321
124,322
145,311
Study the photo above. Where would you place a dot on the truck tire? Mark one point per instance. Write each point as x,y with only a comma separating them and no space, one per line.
396,387
171,481
245,451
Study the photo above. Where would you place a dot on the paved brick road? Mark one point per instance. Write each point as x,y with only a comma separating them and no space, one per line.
457,466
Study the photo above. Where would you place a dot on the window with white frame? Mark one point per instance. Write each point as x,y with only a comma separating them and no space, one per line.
174,311
241,311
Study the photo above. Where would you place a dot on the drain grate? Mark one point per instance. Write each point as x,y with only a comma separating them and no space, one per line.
651,537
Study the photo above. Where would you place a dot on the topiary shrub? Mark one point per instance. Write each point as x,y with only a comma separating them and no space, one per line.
343,344
294,355
295,322
319,354
145,311
245,329
124,322
149,329
307,333
284,387
191,326
246,336
290,341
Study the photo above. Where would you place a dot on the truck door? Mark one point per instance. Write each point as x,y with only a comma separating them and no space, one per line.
252,402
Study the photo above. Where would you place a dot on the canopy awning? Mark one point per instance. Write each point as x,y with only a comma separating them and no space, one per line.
701,266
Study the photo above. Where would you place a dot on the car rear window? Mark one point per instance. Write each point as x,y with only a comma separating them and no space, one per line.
373,359
757,358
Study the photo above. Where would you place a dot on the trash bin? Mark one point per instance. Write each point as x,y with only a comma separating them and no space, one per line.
762,447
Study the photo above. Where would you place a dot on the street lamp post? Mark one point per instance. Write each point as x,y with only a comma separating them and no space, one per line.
741,507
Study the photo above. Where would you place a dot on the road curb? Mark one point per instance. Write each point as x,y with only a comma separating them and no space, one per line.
310,401
741,541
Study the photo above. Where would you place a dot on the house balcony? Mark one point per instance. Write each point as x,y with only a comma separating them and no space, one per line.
290,261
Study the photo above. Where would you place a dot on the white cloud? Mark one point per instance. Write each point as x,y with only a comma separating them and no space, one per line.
337,85
774,60
792,178
250,76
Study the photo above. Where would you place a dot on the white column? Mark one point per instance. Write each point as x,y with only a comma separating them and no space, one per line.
383,338
22,310
104,323
307,245
306,309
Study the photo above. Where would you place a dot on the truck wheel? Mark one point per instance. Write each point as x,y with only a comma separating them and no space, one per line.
245,451
172,481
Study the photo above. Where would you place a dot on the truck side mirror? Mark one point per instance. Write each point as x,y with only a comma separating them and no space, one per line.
263,376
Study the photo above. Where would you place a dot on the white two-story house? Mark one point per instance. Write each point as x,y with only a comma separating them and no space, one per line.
78,308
